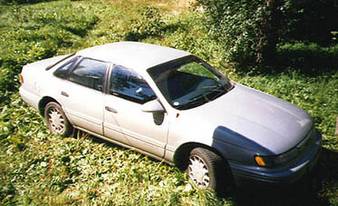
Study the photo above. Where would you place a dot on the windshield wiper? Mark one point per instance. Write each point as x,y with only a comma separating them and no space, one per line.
196,101
214,92
217,87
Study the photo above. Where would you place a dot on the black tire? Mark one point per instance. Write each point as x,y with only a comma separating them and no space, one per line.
216,170
56,120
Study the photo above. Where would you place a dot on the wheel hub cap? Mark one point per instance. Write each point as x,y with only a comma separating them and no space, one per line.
198,171
56,121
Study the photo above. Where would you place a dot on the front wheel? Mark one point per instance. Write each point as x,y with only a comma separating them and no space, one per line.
56,120
207,170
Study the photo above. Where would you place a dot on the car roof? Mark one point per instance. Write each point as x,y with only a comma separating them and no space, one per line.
133,55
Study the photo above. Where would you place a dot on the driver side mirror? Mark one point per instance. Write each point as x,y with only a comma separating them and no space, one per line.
152,106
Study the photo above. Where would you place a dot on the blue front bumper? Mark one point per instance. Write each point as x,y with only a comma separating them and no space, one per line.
282,175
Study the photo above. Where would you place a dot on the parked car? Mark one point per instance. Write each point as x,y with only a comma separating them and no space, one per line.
173,106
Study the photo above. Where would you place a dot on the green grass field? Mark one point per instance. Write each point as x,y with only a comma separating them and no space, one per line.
37,168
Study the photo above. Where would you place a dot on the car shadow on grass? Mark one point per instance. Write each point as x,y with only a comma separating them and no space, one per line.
81,134
318,188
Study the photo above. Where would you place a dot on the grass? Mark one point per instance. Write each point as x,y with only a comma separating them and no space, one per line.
37,168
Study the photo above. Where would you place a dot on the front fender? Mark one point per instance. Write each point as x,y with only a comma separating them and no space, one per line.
231,145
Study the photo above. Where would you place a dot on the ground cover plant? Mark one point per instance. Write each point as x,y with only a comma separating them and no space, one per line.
37,168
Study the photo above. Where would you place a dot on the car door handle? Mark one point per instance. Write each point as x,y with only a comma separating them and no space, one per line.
64,94
110,109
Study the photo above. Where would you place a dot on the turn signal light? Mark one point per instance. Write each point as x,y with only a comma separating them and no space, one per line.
260,161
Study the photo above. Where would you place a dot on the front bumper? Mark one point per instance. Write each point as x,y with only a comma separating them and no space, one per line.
283,175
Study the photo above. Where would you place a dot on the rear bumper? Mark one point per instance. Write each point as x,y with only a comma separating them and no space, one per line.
284,175
29,97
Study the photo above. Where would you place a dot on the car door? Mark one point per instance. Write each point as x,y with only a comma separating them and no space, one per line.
82,94
127,92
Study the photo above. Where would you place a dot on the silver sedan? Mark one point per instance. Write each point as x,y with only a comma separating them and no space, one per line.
175,107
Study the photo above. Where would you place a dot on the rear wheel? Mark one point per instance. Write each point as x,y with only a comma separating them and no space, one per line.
207,170
56,120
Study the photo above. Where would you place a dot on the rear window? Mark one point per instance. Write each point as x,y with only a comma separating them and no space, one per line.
89,73
62,71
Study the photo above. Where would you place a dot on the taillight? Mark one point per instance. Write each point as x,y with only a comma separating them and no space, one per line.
20,78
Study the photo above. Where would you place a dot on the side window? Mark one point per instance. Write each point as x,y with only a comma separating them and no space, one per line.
89,73
63,70
127,84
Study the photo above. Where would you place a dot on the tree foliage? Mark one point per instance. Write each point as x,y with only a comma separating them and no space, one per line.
242,26
251,30
310,20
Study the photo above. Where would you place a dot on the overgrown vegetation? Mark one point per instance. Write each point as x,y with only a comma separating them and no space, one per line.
255,32
38,168
30,34
21,1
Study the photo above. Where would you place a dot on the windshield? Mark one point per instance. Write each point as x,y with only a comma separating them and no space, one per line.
189,82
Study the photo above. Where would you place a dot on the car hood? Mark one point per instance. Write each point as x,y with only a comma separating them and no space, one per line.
252,119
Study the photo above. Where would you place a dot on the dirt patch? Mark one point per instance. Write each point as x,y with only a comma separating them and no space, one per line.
175,7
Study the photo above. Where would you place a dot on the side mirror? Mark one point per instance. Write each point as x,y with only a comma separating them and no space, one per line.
152,106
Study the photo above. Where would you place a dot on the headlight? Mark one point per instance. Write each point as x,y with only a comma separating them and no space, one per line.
276,160
284,158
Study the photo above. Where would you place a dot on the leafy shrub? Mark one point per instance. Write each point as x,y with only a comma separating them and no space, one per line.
309,20
244,28
250,30
149,24
188,32
308,57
